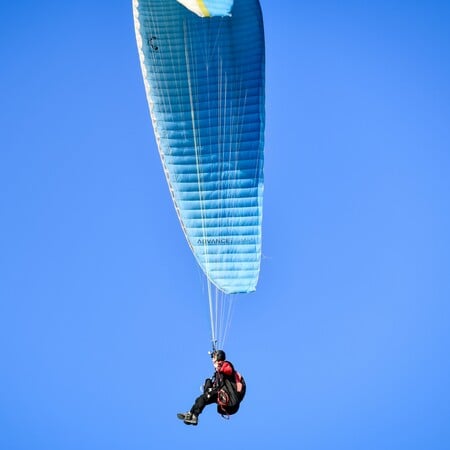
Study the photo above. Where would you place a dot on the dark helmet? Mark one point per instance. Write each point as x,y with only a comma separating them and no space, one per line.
219,355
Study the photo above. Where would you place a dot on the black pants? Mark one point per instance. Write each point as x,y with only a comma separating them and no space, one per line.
202,401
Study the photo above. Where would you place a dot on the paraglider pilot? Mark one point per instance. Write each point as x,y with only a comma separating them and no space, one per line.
226,388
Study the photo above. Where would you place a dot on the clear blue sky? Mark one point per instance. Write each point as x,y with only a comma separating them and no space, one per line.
104,326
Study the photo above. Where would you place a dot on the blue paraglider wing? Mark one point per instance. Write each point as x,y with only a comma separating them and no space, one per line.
204,78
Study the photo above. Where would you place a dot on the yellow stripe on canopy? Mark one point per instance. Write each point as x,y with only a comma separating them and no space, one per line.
203,8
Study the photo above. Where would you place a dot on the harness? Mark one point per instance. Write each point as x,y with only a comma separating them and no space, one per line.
229,395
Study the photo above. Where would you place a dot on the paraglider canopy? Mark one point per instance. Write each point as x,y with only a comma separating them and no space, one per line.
203,68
